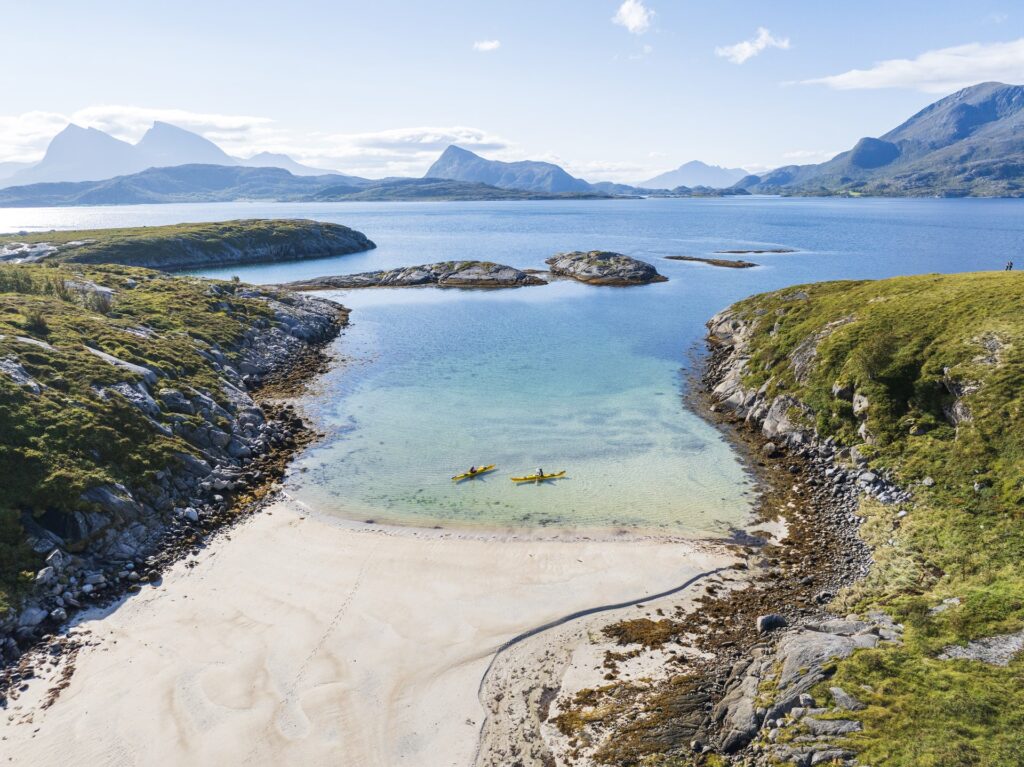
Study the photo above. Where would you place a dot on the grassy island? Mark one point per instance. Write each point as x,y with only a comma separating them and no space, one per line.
189,246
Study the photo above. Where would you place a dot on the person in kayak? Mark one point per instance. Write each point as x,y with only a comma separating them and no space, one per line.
472,469
540,472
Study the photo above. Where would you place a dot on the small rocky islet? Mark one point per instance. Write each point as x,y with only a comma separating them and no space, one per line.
602,267
445,274
593,268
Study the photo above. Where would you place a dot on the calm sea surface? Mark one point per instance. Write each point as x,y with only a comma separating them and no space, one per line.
563,376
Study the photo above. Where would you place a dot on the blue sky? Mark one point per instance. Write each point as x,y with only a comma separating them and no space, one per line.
611,92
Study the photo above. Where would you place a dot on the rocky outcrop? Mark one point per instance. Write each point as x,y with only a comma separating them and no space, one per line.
446,274
119,534
601,267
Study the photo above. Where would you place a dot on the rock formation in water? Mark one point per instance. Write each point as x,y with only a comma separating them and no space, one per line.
601,267
446,274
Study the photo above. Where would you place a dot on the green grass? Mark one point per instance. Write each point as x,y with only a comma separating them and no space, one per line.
65,439
165,247
899,342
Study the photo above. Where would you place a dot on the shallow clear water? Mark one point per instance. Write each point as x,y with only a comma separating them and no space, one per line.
564,376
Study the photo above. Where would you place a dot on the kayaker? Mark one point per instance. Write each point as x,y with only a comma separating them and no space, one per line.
540,472
472,469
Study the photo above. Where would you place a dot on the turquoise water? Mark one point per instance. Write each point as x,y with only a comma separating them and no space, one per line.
563,376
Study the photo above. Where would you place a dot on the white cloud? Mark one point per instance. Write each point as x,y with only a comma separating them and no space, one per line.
747,49
801,156
938,71
634,16
486,46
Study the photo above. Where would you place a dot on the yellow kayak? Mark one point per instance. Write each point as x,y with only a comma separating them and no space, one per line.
539,477
471,474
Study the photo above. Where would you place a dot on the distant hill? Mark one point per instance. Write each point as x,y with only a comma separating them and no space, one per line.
695,173
220,183
88,154
457,164
967,144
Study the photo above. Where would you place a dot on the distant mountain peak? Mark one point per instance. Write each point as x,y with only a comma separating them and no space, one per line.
458,164
695,173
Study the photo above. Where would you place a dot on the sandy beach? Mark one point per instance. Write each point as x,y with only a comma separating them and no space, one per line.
299,640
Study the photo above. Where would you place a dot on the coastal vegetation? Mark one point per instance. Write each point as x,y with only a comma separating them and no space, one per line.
188,246
93,364
922,377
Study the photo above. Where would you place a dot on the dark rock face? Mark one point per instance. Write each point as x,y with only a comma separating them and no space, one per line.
601,267
446,274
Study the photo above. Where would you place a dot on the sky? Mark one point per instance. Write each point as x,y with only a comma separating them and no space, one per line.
611,89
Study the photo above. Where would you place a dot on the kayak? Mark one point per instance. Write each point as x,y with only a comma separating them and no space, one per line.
539,477
471,474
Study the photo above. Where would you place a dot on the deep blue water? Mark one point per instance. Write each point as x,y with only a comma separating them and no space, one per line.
565,375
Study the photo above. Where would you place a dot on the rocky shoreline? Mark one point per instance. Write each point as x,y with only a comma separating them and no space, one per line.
239,450
762,711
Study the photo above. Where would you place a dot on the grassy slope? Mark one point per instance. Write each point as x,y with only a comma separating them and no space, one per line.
55,444
125,245
965,536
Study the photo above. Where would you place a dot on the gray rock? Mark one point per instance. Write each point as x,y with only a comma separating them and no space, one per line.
770,622
843,699
845,627
59,614
12,368
860,404
142,372
996,651
601,267
928,482
769,449
176,402
46,576
830,756
831,727
807,701
32,616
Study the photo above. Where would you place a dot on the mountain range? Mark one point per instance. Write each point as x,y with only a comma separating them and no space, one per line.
88,154
968,144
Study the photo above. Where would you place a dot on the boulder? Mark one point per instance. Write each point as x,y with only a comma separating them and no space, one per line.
843,699
770,622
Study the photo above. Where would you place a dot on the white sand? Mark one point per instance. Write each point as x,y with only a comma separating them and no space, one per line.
304,642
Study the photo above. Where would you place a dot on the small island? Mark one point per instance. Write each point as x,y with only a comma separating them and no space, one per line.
188,246
602,267
723,262
445,274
